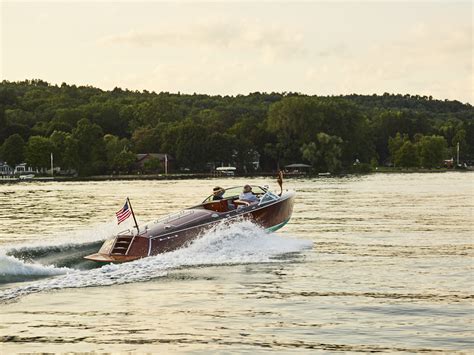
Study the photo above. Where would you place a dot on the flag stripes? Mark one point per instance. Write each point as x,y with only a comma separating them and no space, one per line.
124,213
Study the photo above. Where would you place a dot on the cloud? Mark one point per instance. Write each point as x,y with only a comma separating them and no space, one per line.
427,58
272,42
433,41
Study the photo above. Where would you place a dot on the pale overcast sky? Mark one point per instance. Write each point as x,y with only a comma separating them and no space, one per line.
313,47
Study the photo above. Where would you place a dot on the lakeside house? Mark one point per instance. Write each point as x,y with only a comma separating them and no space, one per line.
5,169
297,168
25,169
166,161
19,169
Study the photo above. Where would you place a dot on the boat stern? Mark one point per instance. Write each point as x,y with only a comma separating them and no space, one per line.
104,258
122,248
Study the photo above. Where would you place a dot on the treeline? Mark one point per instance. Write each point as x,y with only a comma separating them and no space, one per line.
94,131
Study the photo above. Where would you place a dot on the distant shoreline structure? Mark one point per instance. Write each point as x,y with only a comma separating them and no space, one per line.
213,176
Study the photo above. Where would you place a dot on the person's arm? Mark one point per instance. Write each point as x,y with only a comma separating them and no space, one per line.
241,202
251,198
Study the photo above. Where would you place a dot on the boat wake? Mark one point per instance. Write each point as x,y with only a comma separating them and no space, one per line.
239,243
60,252
13,270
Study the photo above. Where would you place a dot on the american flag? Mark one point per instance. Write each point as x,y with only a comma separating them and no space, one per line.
124,213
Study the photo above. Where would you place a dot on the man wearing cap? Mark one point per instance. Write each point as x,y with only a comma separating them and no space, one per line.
218,193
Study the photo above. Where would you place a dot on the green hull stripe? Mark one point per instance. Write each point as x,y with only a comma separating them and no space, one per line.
278,226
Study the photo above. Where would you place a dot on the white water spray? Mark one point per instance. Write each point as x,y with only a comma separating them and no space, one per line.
239,243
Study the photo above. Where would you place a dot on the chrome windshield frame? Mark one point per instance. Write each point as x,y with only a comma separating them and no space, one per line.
262,192
268,197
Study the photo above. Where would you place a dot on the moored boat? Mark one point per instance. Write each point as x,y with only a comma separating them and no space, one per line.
270,211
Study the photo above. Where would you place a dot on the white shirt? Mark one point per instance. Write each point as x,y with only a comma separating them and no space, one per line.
248,196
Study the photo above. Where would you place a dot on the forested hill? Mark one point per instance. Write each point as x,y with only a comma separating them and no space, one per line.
95,131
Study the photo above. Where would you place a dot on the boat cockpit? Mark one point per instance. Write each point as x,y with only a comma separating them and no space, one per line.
230,199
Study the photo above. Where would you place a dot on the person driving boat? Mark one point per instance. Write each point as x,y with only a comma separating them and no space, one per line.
247,197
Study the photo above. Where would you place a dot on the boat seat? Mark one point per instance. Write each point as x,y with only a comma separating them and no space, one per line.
218,206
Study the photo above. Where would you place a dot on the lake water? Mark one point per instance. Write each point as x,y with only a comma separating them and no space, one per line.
372,263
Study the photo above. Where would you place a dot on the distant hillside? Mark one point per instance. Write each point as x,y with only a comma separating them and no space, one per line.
96,131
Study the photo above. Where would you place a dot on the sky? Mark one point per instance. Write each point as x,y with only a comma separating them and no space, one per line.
237,47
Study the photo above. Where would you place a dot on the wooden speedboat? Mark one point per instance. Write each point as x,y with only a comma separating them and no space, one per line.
174,231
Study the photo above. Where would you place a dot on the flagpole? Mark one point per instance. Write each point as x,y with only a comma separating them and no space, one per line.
457,154
133,214
52,169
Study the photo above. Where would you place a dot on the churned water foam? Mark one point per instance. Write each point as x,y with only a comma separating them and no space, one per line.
242,242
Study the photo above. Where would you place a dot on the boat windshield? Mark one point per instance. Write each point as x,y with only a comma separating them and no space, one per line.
236,191
268,197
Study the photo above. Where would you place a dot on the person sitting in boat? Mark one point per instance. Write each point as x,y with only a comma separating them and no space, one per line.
247,197
218,193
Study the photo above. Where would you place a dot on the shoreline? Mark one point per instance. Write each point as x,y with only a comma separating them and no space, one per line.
214,176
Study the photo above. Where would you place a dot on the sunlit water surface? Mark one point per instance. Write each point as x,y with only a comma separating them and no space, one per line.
371,263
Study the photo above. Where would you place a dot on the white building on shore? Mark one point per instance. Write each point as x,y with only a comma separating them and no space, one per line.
19,169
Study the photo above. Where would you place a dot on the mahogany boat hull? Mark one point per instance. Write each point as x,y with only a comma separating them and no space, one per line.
164,236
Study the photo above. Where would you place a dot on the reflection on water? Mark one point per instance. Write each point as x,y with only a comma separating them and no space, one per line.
373,263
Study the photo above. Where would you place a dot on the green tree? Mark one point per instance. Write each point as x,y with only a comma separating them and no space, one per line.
469,151
394,145
432,150
66,119
90,148
324,153
20,116
58,138
107,116
114,146
189,149
38,152
459,138
70,156
152,165
275,152
387,121
374,163
147,140
407,156
3,122
221,147
297,120
158,109
124,161
269,126
13,150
